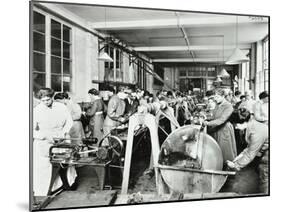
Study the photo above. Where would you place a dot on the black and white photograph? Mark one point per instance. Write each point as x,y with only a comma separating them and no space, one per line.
136,105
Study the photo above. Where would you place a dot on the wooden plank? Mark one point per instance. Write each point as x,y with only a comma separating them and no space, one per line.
69,199
122,199
133,122
196,170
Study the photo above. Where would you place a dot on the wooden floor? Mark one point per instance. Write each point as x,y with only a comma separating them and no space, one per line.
123,199
74,199
88,193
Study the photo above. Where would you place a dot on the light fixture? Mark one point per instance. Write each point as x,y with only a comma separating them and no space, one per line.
103,56
218,79
237,55
223,73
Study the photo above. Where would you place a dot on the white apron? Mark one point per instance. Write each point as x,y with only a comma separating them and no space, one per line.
42,169
53,122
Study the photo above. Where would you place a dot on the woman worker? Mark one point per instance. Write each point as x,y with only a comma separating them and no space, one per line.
96,114
50,120
219,126
76,130
257,140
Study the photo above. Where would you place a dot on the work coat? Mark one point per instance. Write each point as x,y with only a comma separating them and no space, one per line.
76,130
115,110
222,130
53,122
96,114
256,136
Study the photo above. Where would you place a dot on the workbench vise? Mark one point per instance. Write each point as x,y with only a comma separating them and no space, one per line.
64,153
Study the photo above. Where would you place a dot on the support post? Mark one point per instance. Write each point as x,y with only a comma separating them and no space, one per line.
149,121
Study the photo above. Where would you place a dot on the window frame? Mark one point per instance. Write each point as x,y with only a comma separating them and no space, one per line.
265,59
118,72
35,71
48,49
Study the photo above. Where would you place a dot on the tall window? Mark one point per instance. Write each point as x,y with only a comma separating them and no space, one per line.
262,71
39,51
114,70
119,65
140,74
60,56
265,62
51,53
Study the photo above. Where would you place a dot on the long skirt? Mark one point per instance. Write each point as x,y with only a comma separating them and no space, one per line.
226,139
96,126
42,169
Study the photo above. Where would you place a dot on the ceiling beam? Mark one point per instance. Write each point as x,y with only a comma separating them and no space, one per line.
191,48
185,22
173,60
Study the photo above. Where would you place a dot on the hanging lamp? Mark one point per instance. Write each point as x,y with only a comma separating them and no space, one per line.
103,56
218,79
237,56
223,73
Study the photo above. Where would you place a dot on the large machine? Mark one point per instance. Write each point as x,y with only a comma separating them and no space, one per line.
188,161
191,161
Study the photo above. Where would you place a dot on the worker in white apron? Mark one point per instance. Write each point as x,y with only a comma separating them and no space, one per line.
50,120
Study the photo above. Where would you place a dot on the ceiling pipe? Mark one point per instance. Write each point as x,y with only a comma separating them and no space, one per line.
185,36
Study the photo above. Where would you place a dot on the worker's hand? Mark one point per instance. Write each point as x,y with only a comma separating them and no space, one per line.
205,123
67,136
122,119
163,105
264,147
232,165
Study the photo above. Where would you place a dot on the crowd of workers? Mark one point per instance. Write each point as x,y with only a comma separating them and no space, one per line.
237,122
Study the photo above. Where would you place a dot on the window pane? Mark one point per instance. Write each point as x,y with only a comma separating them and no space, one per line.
66,66
182,73
56,82
55,65
106,64
211,73
66,86
39,22
266,85
39,62
108,74
66,50
66,33
38,42
38,81
266,75
111,52
117,64
117,74
111,65
66,83
56,29
55,47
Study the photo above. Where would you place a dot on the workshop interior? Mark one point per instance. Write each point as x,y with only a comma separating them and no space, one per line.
140,105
